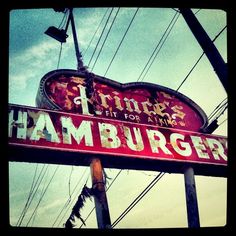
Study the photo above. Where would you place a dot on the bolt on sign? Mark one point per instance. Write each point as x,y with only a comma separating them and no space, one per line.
119,143
144,103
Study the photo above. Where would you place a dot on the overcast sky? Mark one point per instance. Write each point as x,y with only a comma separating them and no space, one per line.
32,54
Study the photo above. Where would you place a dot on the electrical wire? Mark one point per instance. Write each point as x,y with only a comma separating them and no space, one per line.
176,10
160,47
222,122
217,116
219,34
69,183
68,205
43,188
197,11
114,180
184,80
43,194
59,57
69,199
218,107
106,191
64,20
121,42
95,33
32,195
100,36
221,113
105,38
141,195
138,198
158,44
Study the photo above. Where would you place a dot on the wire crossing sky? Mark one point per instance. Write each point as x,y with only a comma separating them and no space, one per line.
153,45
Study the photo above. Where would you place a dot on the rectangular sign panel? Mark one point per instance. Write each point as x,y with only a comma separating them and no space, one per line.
45,129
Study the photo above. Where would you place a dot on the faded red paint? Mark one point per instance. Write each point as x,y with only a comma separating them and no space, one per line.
153,105
38,128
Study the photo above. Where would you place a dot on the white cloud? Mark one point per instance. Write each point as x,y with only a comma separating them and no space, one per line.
34,62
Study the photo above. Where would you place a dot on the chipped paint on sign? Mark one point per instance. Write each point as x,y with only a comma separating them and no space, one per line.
86,134
134,102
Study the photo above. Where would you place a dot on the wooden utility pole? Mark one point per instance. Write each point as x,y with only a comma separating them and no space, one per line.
98,185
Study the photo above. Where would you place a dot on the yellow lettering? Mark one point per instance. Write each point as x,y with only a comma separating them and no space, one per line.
104,99
178,113
128,105
145,109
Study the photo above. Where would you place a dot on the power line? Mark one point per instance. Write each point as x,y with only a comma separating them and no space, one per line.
138,198
106,191
69,199
95,33
64,19
221,113
105,39
43,195
68,205
32,194
158,44
121,41
100,36
69,183
218,107
194,13
214,123
176,10
223,122
184,80
197,11
219,34
160,47
59,57
114,180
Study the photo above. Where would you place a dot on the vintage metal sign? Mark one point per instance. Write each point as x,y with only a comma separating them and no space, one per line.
68,132
145,103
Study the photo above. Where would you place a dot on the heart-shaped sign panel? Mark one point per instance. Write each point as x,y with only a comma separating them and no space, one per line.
139,102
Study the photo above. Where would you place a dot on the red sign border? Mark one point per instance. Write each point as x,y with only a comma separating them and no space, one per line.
215,169
42,98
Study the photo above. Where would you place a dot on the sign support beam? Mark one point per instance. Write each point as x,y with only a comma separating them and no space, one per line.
221,70
191,198
207,45
98,185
